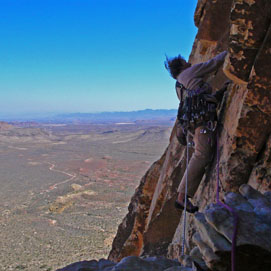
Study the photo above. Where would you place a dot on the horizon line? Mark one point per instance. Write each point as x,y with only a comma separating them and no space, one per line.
80,112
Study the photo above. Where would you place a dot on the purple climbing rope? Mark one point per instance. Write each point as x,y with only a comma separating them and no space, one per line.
232,211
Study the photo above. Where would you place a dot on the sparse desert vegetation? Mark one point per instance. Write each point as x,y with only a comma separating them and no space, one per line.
65,188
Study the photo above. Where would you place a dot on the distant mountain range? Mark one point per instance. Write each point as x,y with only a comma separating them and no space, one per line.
132,116
147,114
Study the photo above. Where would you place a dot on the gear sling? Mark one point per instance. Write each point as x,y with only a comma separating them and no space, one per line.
198,108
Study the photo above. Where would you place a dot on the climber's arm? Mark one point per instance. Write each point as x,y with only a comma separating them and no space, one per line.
201,69
181,136
220,93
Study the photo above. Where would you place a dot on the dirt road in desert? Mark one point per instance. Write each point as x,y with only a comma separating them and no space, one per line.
71,176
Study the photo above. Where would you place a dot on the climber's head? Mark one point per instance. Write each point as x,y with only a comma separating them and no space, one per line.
176,65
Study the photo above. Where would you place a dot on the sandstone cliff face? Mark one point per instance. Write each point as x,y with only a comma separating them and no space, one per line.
242,27
213,240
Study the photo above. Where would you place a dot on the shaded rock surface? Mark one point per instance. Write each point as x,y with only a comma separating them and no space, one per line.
129,238
150,208
215,228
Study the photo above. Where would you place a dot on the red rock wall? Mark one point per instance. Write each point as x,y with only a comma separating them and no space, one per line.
242,27
129,238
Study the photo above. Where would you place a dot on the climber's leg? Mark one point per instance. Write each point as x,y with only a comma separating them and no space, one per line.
199,160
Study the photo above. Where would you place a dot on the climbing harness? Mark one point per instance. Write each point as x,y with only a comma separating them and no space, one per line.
197,109
231,210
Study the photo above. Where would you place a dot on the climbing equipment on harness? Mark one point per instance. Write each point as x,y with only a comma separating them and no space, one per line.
197,109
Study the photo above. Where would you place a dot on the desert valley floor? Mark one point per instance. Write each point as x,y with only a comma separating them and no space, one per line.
65,188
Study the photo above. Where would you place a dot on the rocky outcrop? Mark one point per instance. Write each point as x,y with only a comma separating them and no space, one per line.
152,209
213,238
248,37
215,226
129,238
242,27
260,177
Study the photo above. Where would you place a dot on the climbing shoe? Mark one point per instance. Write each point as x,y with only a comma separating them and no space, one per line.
190,208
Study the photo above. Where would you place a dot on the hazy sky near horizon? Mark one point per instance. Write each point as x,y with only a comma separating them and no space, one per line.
91,55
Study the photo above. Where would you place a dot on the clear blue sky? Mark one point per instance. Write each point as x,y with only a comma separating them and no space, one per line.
91,55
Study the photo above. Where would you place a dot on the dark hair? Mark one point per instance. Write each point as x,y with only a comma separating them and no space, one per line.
175,65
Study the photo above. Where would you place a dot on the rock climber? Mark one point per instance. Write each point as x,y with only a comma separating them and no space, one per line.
196,119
